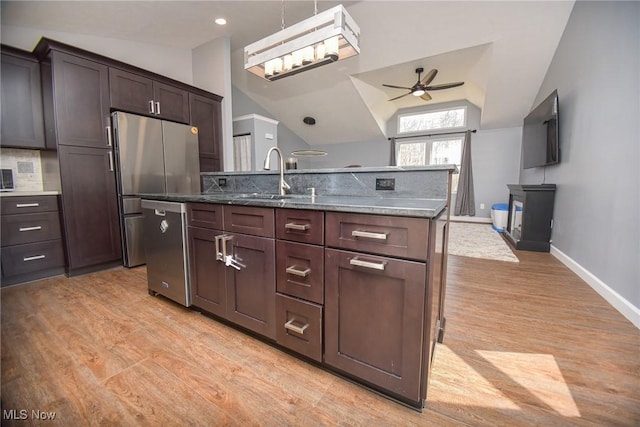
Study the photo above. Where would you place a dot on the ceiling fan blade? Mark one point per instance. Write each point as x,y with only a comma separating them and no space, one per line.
429,77
426,96
401,96
444,86
397,87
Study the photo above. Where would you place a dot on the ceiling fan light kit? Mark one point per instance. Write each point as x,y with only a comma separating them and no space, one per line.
422,86
324,38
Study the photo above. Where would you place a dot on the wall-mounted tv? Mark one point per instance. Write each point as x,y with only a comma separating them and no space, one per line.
540,133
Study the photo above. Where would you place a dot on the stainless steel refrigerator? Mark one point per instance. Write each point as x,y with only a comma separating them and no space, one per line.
152,156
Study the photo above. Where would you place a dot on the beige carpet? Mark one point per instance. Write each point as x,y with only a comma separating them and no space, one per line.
478,241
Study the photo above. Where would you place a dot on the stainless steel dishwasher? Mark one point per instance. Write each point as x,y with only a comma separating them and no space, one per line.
165,242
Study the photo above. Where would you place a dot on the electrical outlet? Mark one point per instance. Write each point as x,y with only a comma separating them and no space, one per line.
481,205
385,183
222,182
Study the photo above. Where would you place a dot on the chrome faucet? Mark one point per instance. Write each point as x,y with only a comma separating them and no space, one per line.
283,184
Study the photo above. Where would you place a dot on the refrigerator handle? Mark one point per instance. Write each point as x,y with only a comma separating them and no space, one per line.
157,107
151,107
111,161
109,140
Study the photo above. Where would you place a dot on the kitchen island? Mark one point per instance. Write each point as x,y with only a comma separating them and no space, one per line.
351,278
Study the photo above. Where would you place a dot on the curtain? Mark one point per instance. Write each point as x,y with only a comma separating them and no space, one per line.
242,153
465,199
392,154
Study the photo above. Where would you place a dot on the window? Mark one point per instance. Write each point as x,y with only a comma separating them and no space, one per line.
431,151
452,118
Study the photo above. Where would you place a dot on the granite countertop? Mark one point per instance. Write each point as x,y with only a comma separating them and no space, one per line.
412,207
28,193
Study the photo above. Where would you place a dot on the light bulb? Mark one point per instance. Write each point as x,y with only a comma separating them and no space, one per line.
418,92
297,58
277,66
268,68
320,51
307,55
332,47
288,62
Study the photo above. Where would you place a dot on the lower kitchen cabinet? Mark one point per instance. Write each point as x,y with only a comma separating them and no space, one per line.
251,290
206,276
89,207
31,246
243,292
374,319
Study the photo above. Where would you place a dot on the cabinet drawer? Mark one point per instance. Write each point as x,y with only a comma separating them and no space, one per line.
249,220
29,204
300,270
299,326
30,228
204,215
385,235
21,259
300,226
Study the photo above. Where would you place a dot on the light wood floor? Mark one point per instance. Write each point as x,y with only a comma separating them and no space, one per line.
526,344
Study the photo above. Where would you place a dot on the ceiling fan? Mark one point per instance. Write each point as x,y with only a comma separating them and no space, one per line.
422,86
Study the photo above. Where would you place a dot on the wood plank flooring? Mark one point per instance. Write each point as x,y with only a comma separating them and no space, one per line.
526,344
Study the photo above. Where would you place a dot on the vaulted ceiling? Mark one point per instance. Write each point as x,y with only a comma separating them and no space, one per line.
501,50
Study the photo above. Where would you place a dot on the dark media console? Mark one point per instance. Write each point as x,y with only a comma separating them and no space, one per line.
530,216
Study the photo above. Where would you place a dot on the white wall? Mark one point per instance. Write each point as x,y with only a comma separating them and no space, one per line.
596,70
212,72
171,62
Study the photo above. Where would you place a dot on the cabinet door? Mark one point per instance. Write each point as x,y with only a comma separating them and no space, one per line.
206,115
251,291
21,99
206,275
374,312
81,100
89,206
172,103
130,92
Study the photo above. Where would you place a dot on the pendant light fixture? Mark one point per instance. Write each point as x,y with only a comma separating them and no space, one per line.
324,38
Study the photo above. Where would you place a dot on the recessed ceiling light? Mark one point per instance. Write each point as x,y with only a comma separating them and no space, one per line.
220,21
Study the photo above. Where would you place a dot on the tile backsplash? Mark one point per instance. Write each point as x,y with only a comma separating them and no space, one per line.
26,167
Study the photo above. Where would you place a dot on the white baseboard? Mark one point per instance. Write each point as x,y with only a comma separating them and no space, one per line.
470,219
628,310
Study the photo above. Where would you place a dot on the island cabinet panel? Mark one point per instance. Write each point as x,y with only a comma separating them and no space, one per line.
299,326
206,115
241,287
251,289
374,318
21,99
300,270
388,235
206,275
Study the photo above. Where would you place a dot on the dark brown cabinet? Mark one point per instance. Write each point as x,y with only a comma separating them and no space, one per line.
89,207
206,115
31,239
21,100
243,290
374,317
142,95
81,101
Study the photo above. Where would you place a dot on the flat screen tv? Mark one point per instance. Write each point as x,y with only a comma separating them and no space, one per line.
540,133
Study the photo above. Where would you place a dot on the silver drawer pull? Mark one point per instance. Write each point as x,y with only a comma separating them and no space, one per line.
302,273
294,226
298,329
151,107
37,227
27,205
369,235
368,264
157,107
33,258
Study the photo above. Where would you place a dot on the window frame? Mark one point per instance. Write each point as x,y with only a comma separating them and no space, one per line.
428,111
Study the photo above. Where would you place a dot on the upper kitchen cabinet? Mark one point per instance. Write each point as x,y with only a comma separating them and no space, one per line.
206,115
142,95
79,101
21,100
